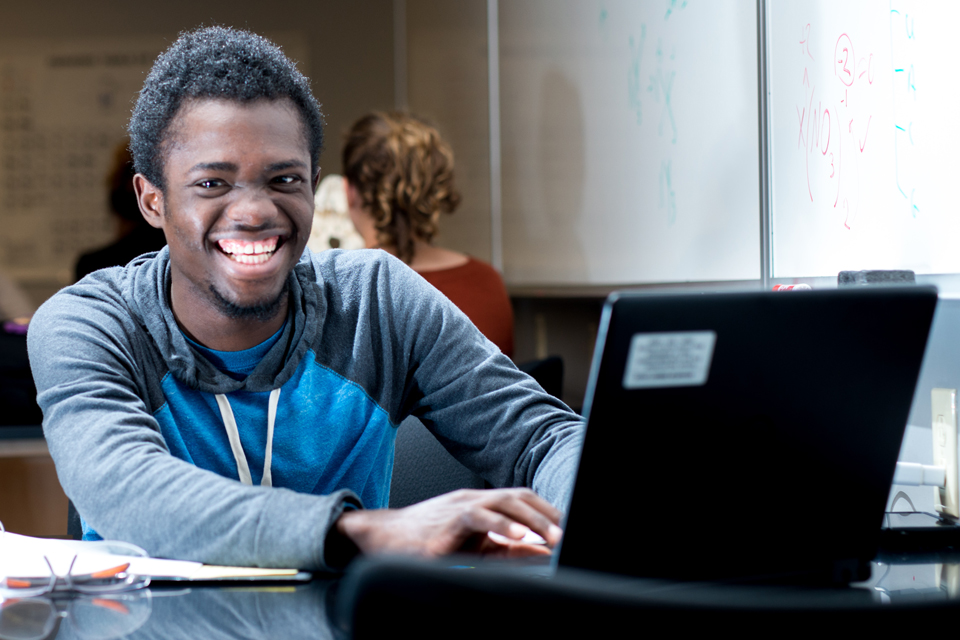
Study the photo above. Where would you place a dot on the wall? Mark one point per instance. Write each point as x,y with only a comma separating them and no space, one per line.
31,502
565,327
350,43
447,85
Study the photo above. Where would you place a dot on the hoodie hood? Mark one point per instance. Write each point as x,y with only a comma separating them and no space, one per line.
148,293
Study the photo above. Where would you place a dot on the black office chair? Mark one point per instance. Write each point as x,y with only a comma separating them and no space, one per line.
18,395
450,599
74,527
547,372
423,469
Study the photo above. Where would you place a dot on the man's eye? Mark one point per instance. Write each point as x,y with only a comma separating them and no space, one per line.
210,184
287,179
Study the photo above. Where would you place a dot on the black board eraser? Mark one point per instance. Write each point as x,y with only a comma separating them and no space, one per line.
876,276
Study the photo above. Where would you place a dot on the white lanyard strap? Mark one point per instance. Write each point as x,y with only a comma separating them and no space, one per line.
233,435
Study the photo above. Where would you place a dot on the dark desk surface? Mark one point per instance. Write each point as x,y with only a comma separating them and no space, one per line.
310,610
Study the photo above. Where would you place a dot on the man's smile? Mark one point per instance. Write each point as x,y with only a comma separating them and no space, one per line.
249,252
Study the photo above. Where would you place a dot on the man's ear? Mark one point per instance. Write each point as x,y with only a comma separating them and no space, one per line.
316,180
150,199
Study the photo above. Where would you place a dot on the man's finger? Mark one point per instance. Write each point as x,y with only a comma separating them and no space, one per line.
531,537
541,505
523,511
506,547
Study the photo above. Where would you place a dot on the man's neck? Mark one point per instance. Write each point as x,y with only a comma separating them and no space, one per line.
211,328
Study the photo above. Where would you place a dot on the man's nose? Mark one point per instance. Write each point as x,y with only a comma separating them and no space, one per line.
252,207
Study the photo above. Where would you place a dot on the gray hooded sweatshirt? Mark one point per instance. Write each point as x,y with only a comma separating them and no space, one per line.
135,420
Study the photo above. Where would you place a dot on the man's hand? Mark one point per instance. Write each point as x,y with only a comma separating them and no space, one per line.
457,521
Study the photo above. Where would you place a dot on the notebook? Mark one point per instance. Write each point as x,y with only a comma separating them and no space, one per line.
744,435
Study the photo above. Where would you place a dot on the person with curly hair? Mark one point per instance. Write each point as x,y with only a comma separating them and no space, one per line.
234,398
135,236
399,174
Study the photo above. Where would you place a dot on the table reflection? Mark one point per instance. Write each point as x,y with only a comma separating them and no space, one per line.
301,611
904,579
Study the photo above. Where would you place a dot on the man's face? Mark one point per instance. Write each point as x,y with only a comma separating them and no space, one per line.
237,207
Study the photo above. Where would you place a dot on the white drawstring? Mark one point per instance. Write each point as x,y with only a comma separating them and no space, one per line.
233,435
267,479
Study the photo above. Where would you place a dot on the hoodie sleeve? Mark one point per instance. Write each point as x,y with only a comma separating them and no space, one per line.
495,419
114,465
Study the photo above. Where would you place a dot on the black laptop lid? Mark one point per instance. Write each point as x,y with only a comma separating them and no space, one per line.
744,434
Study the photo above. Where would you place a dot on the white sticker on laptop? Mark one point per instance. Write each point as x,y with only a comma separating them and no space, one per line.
675,359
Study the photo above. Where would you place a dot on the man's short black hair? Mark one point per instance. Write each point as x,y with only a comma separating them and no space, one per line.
219,63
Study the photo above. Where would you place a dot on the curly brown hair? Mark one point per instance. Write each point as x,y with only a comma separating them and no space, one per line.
403,171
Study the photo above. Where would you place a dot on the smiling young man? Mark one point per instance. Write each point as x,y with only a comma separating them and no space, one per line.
234,398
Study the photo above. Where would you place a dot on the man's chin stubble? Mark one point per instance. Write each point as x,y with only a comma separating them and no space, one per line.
261,312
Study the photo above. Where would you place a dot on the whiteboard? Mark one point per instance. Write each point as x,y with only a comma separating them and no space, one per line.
630,141
862,136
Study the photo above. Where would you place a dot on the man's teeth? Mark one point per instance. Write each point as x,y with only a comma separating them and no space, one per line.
249,252
257,258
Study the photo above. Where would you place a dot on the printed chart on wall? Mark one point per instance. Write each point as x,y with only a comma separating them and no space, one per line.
63,111
630,144
863,136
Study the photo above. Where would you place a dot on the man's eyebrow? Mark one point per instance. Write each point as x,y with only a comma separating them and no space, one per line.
229,166
287,164
214,166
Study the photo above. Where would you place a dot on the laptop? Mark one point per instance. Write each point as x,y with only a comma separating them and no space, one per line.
745,435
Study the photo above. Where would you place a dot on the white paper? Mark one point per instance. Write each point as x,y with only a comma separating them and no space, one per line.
23,556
